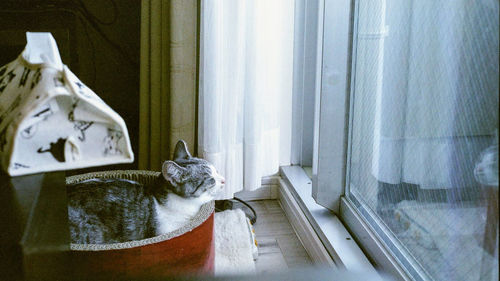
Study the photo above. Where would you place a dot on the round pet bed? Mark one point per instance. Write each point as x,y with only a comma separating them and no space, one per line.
188,250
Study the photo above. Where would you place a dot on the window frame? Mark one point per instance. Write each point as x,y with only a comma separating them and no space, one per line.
307,18
319,95
332,104
331,150
307,77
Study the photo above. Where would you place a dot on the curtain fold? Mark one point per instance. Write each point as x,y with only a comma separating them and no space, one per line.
245,89
168,87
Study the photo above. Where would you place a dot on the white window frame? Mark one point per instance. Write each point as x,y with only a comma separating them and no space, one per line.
308,44
332,101
305,70
332,91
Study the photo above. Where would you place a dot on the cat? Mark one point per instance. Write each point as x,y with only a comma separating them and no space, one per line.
486,168
103,211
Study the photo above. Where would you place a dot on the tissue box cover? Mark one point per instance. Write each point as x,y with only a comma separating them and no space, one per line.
49,119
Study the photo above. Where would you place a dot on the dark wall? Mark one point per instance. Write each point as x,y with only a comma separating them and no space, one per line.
105,56
114,73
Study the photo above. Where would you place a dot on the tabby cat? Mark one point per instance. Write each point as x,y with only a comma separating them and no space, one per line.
118,210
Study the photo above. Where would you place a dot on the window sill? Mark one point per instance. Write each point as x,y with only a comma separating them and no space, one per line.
331,232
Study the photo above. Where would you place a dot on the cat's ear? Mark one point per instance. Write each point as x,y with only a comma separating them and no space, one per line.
172,172
181,151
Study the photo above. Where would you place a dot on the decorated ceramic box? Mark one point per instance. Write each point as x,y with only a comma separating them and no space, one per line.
49,119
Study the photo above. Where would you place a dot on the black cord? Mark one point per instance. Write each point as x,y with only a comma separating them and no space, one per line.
94,23
98,20
253,219
92,51
227,204
83,13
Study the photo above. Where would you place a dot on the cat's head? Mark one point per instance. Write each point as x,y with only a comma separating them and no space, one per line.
486,169
190,176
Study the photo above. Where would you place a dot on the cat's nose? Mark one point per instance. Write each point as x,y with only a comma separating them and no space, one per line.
223,181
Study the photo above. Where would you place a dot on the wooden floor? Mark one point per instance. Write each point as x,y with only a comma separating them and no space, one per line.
279,247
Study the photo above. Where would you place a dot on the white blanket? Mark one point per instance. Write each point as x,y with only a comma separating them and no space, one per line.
233,244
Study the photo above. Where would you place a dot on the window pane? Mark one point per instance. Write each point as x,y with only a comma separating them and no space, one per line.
424,133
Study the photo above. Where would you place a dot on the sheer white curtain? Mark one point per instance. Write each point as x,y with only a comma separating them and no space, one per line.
245,89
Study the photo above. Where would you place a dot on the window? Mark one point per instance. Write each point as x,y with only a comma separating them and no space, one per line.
406,129
423,134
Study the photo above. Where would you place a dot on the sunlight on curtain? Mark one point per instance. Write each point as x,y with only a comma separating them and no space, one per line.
245,89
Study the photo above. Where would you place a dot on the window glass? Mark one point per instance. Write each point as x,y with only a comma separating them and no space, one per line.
423,161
